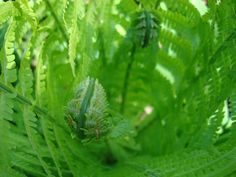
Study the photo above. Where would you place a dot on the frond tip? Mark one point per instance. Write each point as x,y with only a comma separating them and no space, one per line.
87,111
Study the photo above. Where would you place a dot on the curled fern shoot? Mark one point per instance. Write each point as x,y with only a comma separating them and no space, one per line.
87,111
145,28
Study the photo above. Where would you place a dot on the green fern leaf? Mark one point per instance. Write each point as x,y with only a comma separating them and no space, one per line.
30,125
24,8
6,11
9,64
6,111
210,163
73,45
41,79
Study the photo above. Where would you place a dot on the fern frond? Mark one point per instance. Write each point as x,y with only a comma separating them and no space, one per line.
174,65
9,64
5,149
71,12
209,135
86,39
174,20
40,79
6,11
223,15
25,75
73,38
24,8
185,9
57,20
73,46
52,145
22,37
182,47
121,129
171,91
30,122
68,14
210,163
70,158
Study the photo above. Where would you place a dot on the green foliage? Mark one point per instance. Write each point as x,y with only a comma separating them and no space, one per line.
148,87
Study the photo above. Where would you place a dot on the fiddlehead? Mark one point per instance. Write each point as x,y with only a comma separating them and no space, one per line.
145,26
87,112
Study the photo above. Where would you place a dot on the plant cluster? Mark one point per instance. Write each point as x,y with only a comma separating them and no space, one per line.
106,88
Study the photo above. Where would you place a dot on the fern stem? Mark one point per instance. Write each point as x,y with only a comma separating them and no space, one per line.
26,101
57,20
126,80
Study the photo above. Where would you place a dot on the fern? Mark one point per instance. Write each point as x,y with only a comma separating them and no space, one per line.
7,10
73,39
7,112
9,65
190,166
159,98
